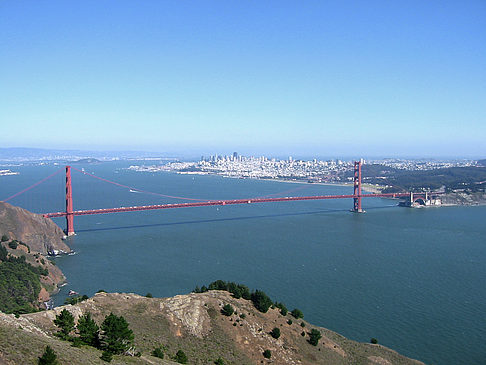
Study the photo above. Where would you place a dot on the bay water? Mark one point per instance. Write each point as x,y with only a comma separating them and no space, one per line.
415,279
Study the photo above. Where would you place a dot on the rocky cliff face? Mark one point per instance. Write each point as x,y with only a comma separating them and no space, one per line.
41,234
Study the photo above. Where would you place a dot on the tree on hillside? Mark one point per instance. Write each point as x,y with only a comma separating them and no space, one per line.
297,313
261,301
275,333
116,337
314,337
227,310
88,330
3,253
158,352
180,357
65,321
49,357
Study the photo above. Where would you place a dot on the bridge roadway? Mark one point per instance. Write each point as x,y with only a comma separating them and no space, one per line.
220,202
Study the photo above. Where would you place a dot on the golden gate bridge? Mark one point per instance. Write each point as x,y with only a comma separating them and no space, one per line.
70,213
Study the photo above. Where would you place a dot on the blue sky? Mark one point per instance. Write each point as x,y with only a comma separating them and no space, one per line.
327,78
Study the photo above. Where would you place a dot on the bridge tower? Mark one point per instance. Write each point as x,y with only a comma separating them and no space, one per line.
69,204
357,188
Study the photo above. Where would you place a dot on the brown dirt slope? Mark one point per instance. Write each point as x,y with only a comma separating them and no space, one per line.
41,234
194,324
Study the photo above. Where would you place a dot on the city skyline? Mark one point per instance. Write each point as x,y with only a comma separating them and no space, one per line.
275,78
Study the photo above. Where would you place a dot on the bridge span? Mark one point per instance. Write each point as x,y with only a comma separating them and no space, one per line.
70,213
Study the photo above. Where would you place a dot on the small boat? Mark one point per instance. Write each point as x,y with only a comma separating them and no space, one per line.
72,292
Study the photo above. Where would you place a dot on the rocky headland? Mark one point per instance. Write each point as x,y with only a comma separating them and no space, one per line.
29,235
41,234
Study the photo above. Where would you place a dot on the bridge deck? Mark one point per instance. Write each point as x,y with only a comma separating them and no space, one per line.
220,202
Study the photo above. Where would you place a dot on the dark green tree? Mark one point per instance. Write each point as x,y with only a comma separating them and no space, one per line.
283,308
219,361
116,337
106,356
3,253
267,354
13,244
49,357
297,313
374,341
180,357
5,238
158,352
88,330
149,295
261,301
275,333
65,321
314,337
227,310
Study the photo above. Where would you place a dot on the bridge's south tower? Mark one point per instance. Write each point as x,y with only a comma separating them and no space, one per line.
357,187
69,204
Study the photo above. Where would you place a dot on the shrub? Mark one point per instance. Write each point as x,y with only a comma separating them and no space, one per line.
5,238
289,322
76,299
267,354
303,334
49,357
275,333
314,337
13,244
180,357
219,361
302,324
242,315
261,301
65,321
297,313
227,310
374,341
149,295
282,307
158,352
106,356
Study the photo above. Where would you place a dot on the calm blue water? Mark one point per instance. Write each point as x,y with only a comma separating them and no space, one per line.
414,279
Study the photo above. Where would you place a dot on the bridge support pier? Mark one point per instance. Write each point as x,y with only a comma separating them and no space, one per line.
357,188
69,204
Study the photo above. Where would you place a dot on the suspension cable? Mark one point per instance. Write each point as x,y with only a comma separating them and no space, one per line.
33,186
136,189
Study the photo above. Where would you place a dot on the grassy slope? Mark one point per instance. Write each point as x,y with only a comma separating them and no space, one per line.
194,324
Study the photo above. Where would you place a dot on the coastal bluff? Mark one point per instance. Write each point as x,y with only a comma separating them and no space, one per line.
40,234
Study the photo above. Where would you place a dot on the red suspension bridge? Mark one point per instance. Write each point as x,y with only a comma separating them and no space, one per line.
357,196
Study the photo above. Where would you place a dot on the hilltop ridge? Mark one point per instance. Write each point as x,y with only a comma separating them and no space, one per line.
195,324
